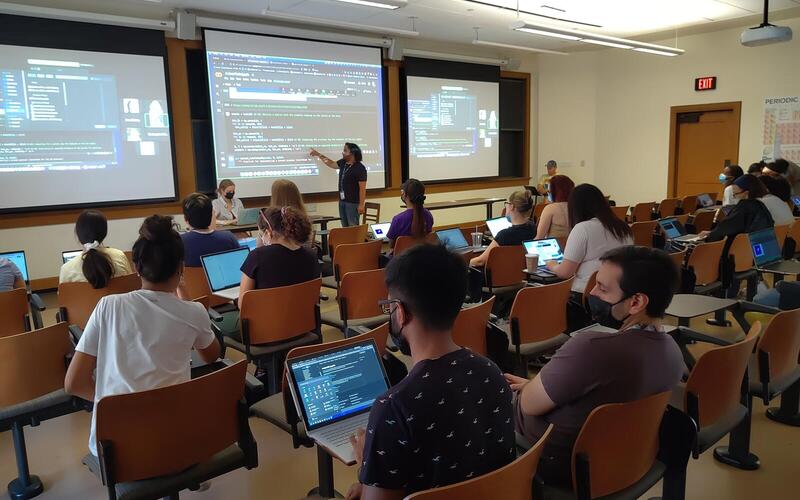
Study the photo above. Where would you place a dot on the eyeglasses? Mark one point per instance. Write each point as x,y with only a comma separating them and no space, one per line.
386,305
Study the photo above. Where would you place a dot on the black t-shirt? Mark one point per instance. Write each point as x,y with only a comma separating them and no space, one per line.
449,420
275,265
517,234
349,177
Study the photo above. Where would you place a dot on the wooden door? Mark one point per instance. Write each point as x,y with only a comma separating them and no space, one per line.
705,138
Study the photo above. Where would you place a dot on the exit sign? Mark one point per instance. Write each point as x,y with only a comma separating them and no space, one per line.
705,83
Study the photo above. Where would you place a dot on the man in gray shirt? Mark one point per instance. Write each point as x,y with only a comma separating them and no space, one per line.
10,276
634,287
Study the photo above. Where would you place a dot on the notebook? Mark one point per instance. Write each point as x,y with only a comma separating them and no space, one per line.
223,271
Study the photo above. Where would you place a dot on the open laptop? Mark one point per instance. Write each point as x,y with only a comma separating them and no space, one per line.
223,271
18,258
497,224
69,255
675,232
454,240
334,390
767,253
705,201
248,242
248,216
379,231
547,249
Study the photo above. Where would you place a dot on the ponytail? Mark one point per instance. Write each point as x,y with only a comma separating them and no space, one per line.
91,229
415,193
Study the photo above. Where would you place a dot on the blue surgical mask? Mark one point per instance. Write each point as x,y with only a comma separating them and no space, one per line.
723,178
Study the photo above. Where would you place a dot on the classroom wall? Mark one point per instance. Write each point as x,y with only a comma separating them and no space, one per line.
611,108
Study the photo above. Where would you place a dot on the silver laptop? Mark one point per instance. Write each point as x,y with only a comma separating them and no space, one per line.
334,390
705,200
223,271
68,256
454,240
675,232
497,224
380,231
248,216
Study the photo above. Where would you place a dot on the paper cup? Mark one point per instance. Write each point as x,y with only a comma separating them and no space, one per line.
532,261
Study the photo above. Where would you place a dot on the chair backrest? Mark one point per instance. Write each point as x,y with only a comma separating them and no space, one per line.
372,213
540,312
713,196
342,235
704,220
79,299
469,330
403,243
129,256
277,314
356,257
689,203
705,261
33,364
683,219
742,253
781,232
678,258
715,383
643,233
161,432
195,285
513,480
621,211
794,233
14,304
537,210
667,207
590,284
505,266
621,442
359,293
643,212
780,343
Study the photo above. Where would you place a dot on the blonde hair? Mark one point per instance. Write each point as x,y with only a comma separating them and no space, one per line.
286,194
224,184
522,201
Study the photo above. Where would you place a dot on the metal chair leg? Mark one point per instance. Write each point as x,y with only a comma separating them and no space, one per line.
737,453
25,485
789,411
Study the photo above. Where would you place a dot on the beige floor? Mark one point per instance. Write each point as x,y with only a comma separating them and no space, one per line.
56,447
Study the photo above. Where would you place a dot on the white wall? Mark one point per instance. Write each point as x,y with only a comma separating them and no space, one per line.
612,106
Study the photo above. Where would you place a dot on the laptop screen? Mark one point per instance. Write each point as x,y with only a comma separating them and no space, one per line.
337,383
705,200
453,239
379,231
223,269
497,224
248,242
18,258
68,256
796,201
672,228
547,249
765,246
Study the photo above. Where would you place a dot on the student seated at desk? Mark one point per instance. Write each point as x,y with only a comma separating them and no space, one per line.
143,339
416,221
282,260
750,213
595,231
634,287
284,193
729,174
777,198
98,263
450,419
554,221
518,210
10,276
201,238
226,205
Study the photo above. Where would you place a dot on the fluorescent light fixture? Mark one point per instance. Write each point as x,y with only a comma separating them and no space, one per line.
594,39
454,57
381,4
338,25
517,47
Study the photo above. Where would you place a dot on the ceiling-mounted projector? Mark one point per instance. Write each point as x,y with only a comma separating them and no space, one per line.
765,33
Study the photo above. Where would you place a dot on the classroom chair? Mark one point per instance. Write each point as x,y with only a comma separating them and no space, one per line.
715,394
275,320
129,255
537,211
781,232
668,207
353,257
621,212
469,330
21,312
513,480
793,239
537,321
403,243
372,213
156,443
32,375
774,371
643,212
741,255
195,285
678,258
615,455
643,233
280,410
358,296
343,235
76,301
504,270
688,204
703,221
704,262
590,284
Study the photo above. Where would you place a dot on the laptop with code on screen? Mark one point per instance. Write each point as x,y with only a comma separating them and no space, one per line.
223,271
18,258
334,390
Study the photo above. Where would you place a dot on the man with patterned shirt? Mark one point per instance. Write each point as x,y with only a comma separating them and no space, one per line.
451,418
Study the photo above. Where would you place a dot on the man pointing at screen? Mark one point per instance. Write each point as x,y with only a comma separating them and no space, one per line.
352,182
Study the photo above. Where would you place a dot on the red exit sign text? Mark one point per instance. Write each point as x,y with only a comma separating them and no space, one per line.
705,83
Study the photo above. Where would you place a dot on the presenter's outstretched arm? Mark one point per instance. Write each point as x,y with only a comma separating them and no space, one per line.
327,161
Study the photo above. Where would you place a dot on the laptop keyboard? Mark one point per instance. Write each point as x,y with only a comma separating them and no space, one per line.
340,434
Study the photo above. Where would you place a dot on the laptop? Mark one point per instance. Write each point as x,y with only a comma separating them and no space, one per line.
675,232
223,271
767,253
248,243
334,390
454,240
497,224
705,200
68,256
796,201
18,258
248,216
379,231
547,249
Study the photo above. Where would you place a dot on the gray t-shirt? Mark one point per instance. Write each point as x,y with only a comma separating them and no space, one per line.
9,273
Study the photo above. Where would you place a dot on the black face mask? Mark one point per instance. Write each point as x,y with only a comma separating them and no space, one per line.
230,195
397,337
601,312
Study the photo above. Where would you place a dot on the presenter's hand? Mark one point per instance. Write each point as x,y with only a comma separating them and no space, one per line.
314,152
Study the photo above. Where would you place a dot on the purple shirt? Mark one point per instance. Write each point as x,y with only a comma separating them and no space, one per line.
401,223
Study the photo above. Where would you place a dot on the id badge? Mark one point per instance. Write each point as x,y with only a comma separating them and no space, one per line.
341,195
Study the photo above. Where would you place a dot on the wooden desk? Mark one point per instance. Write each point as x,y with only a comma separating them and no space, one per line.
471,202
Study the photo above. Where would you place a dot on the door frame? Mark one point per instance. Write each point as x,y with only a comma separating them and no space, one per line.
674,111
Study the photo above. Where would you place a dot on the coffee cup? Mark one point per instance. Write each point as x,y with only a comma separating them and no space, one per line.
477,239
532,261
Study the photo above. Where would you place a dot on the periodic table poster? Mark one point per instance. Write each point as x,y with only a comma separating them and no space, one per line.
782,128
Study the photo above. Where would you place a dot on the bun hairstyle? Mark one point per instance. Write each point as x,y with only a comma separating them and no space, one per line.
522,201
158,252
287,222
91,229
415,193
